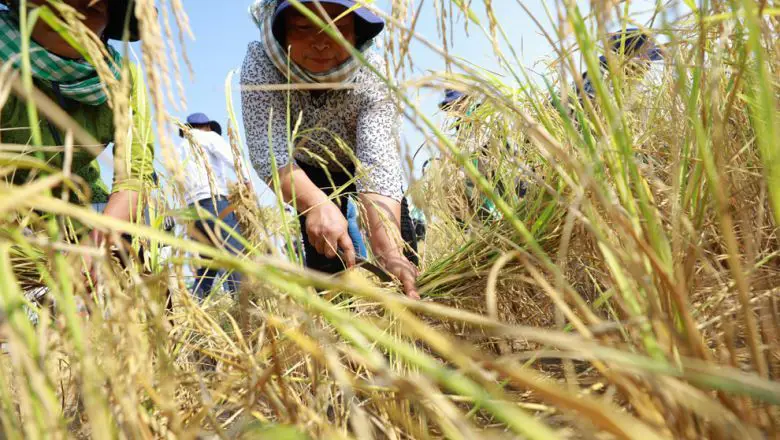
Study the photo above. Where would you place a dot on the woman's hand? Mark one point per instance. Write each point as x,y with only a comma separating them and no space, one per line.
384,214
122,205
406,272
326,226
327,229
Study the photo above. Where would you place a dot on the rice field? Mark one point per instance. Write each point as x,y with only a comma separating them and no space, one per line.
630,290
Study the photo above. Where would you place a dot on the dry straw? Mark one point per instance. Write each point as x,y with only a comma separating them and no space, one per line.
629,293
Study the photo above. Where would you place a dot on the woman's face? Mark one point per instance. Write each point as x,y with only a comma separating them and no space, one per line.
310,47
95,14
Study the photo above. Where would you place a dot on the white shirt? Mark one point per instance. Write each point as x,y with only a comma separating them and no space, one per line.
210,152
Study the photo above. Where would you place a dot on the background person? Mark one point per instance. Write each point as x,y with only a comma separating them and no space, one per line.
638,56
208,165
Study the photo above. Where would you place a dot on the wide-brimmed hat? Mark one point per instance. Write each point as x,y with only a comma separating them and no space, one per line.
367,24
200,119
121,16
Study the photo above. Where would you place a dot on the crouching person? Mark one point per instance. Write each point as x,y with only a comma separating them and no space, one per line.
59,71
341,130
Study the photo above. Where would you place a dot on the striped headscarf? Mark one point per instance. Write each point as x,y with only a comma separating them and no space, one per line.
78,80
262,12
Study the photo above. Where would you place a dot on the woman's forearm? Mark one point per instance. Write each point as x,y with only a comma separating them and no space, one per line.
123,205
384,225
383,216
295,184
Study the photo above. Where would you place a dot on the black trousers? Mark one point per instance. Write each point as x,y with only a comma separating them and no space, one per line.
317,175
328,183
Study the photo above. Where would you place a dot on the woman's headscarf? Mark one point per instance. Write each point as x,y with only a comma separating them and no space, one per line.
263,13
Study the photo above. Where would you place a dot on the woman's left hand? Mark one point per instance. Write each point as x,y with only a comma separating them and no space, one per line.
122,205
406,272
384,215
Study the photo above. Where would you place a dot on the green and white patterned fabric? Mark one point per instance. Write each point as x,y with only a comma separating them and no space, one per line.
77,79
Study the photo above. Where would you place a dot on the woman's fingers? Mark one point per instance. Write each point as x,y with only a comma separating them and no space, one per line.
410,287
324,245
327,240
406,273
347,249
326,226
329,247
317,241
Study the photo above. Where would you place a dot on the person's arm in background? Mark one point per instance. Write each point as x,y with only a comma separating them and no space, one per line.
326,227
381,186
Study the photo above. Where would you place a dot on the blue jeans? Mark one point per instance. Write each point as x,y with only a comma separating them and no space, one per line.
354,229
204,276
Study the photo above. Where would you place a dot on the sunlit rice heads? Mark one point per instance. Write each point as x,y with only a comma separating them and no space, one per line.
629,290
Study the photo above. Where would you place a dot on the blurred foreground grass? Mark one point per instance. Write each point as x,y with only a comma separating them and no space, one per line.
631,293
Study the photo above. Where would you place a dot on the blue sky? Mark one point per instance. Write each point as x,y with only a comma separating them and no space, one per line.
219,48
223,30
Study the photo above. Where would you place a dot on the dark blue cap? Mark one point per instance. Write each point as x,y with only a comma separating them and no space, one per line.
201,119
655,54
367,26
632,41
450,96
121,18
198,119
121,13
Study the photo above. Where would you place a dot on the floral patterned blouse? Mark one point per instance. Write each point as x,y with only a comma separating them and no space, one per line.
340,128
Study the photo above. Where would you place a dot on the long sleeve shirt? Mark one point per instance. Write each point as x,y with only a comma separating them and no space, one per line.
137,154
339,128
208,153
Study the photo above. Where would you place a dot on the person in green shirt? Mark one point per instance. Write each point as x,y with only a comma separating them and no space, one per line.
60,72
